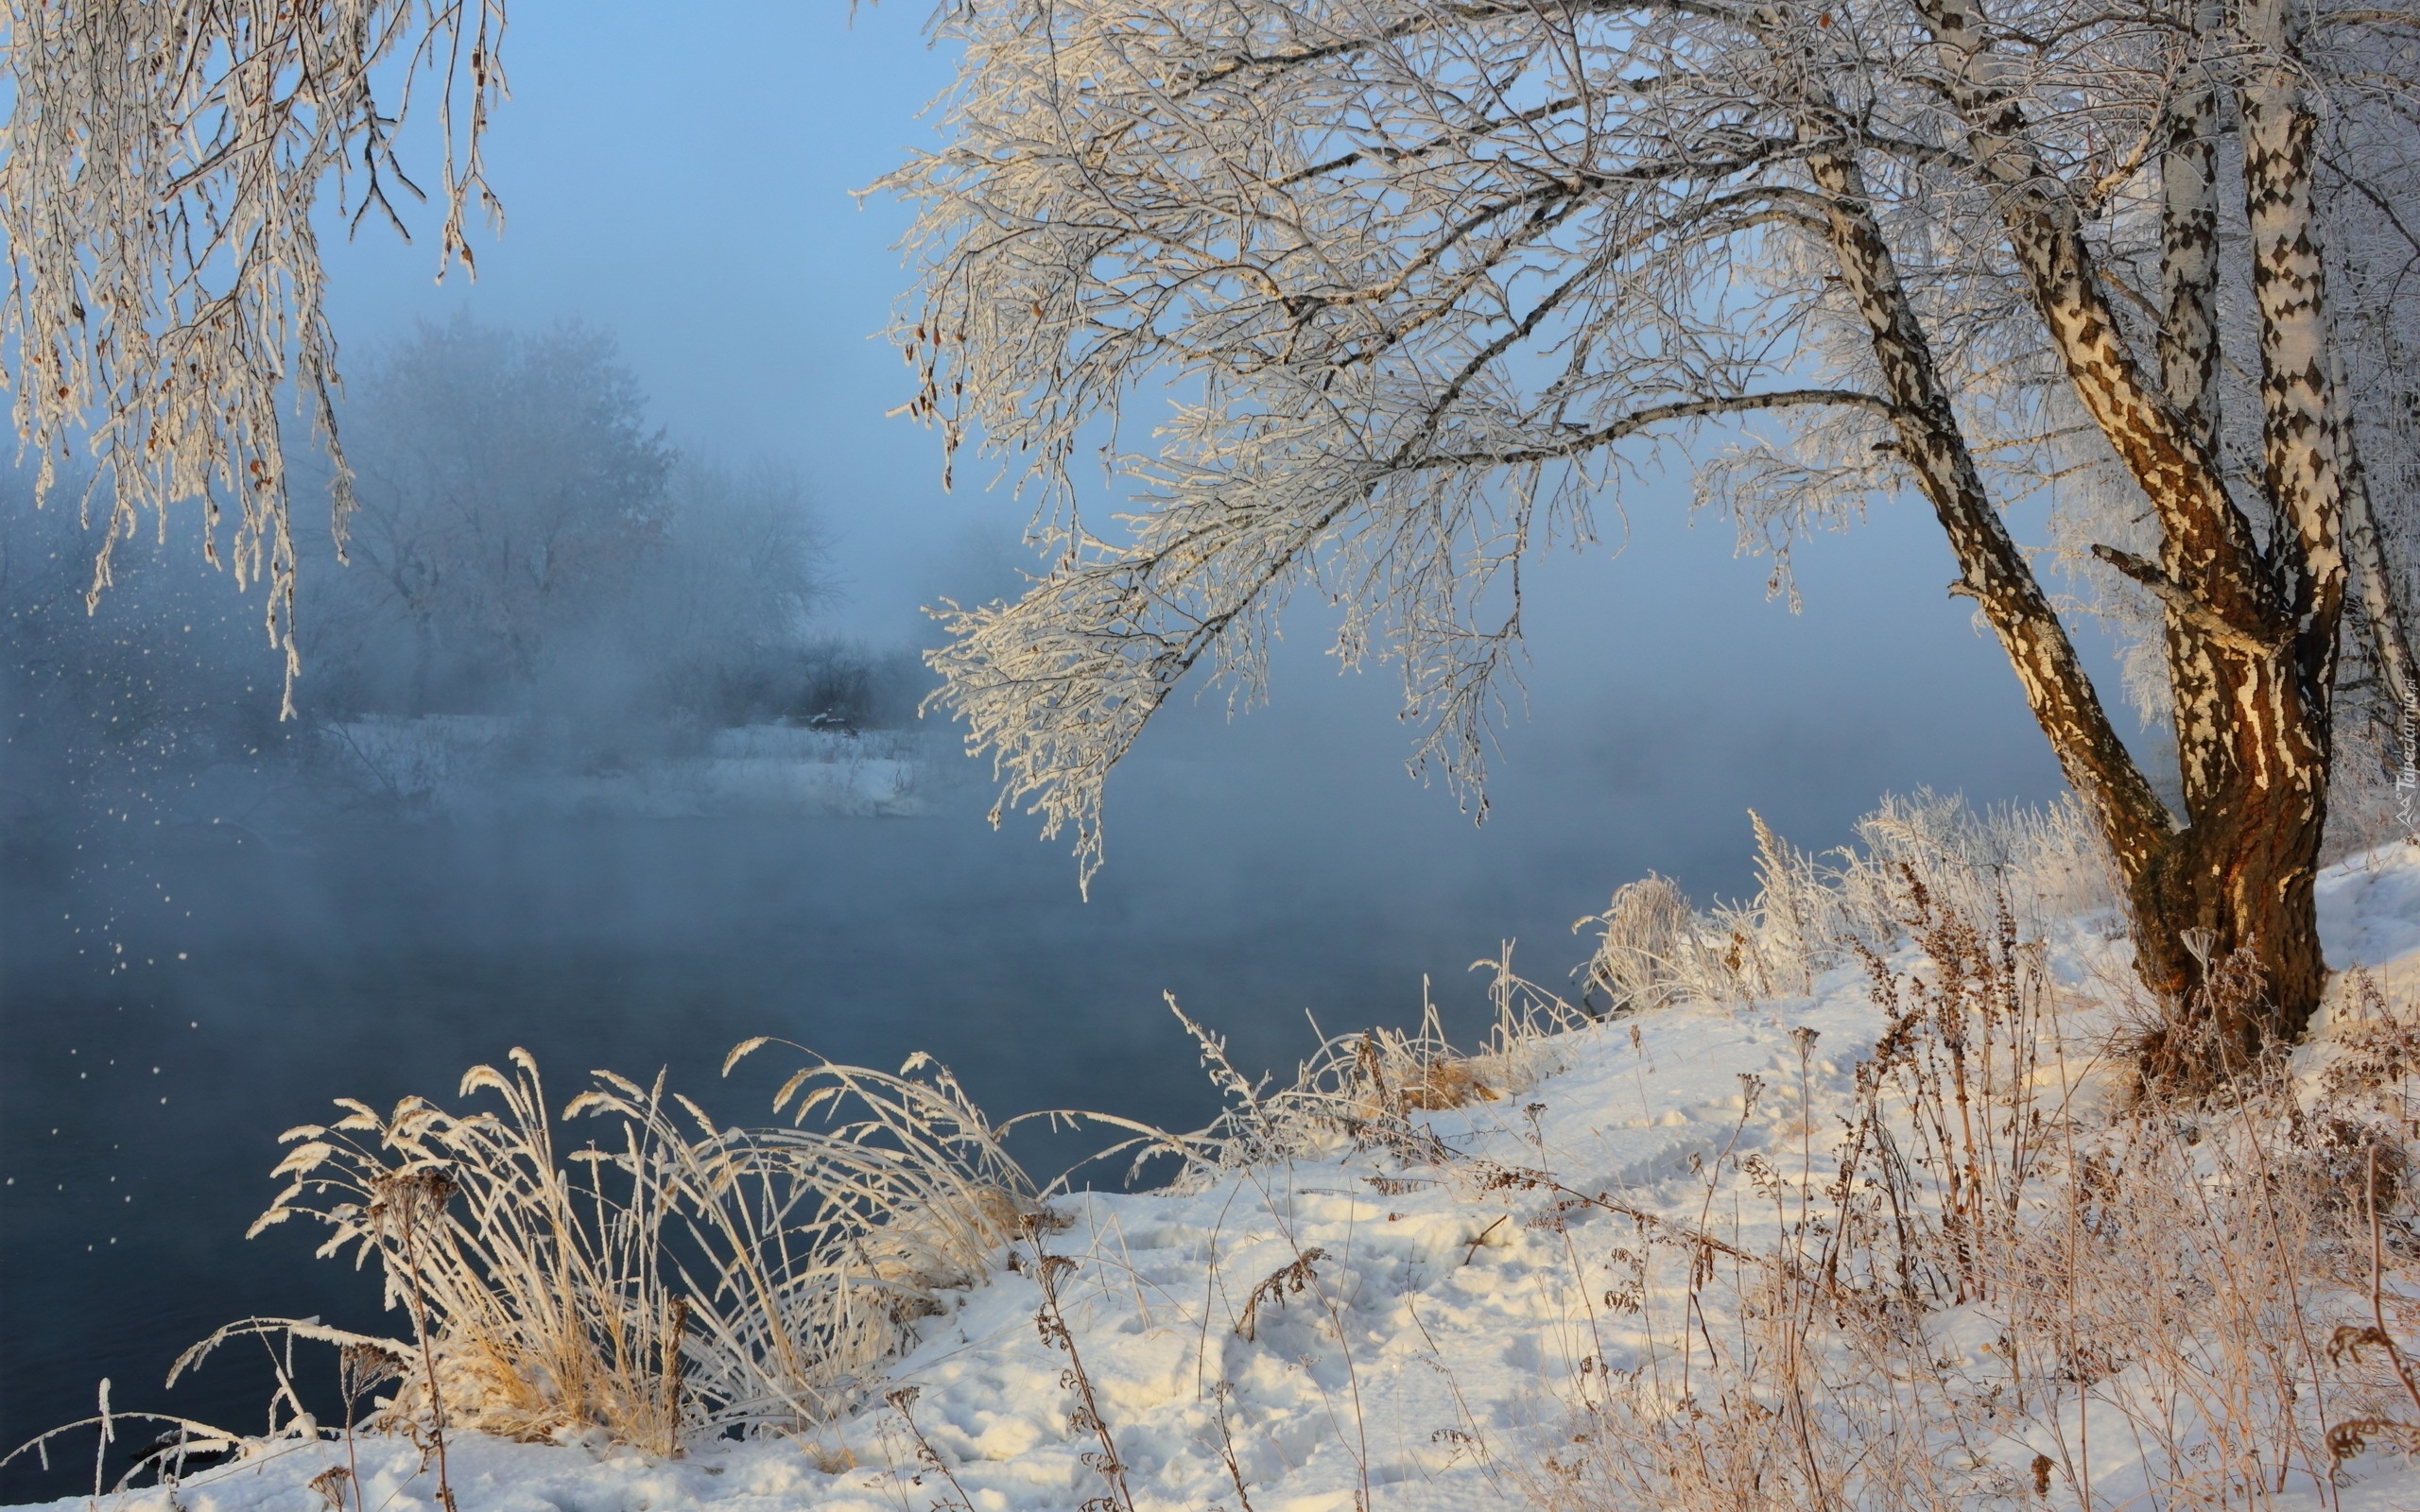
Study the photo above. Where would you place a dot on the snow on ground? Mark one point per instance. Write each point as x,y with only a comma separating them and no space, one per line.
1430,1351
2369,914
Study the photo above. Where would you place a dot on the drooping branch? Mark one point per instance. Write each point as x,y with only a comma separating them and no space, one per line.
162,166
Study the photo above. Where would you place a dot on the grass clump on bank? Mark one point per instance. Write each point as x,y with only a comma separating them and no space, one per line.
667,1277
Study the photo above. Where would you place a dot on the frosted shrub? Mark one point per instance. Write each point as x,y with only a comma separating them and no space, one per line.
2045,864
1365,1087
672,1276
1650,946
1813,913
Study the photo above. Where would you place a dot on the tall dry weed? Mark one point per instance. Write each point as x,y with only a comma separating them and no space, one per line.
1951,1131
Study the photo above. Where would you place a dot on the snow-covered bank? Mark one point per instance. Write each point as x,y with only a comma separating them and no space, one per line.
1419,1316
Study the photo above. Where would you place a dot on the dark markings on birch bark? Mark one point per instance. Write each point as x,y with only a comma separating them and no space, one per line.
2250,635
1993,570
2188,170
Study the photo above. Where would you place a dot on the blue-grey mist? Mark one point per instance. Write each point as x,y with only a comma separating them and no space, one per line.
682,176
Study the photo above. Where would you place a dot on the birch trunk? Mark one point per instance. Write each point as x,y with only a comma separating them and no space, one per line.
1993,572
2390,642
2250,635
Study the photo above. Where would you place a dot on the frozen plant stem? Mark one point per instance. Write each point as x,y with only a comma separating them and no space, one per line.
1359,1448
409,1191
2378,1286
1052,1324
1227,1443
900,1399
359,1368
101,1449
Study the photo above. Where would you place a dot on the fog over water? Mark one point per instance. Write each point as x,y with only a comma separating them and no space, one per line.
682,185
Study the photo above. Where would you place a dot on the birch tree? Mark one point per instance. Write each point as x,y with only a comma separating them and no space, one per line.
161,167
1428,278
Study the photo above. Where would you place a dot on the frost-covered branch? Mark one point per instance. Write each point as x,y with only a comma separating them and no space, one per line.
162,160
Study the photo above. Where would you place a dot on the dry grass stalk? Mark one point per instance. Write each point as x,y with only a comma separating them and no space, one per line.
1296,1275
1220,1395
1365,1088
1051,1320
361,1368
902,1399
405,1205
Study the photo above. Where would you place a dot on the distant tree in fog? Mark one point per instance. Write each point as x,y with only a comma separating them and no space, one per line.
507,488
163,170
525,539
743,558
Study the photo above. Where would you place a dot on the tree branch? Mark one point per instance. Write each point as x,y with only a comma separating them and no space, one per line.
2180,599
1640,419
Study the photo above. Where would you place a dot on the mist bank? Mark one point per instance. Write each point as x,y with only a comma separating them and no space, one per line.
529,597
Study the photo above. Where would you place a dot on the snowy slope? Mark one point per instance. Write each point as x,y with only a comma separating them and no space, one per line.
1428,1359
